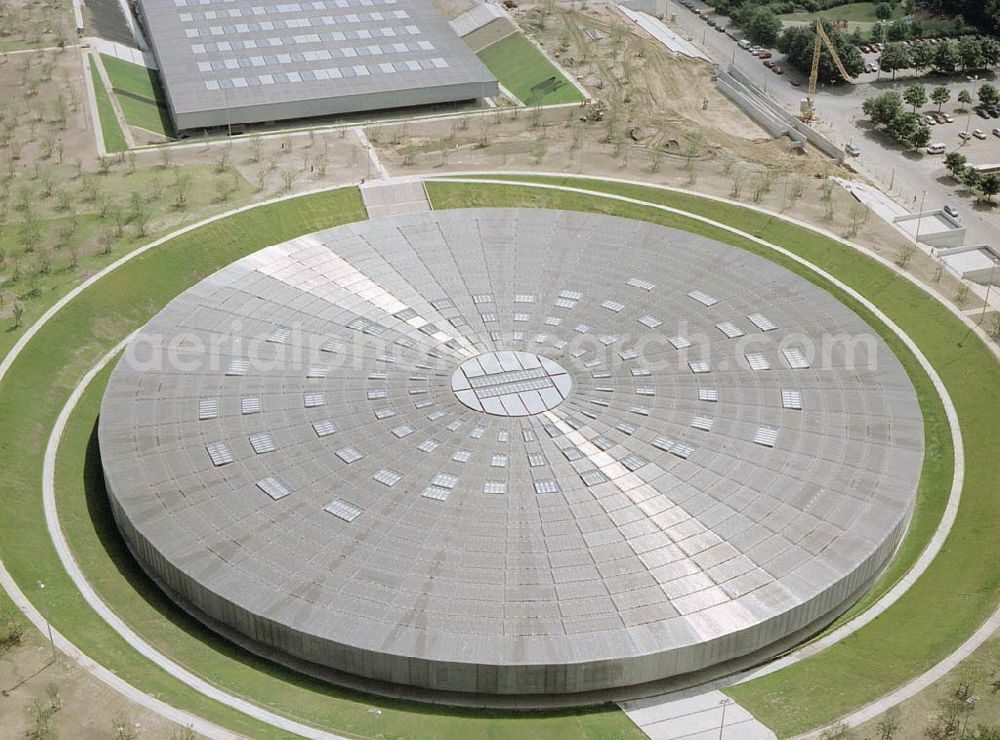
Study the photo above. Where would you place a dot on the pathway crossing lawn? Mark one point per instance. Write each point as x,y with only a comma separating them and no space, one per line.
140,95
114,139
525,71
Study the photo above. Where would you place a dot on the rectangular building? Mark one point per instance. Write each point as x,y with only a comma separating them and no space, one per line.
249,61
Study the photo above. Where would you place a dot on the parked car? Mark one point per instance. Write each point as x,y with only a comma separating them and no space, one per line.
951,211
982,113
720,28
744,43
947,118
978,133
711,22
777,69
964,135
936,148
994,112
765,54
996,132
853,150
769,63
926,120
794,82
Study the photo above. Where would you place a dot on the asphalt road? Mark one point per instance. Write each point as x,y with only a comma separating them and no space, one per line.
910,177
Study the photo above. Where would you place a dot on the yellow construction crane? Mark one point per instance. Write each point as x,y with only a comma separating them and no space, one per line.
808,109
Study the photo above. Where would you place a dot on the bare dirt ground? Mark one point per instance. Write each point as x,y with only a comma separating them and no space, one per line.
33,24
42,699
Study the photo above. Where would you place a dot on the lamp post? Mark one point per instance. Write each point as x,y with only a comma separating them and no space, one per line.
48,626
722,726
989,284
920,215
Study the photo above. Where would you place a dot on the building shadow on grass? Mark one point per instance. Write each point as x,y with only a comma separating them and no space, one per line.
102,520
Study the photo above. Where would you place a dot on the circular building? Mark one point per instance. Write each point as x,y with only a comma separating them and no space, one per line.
511,451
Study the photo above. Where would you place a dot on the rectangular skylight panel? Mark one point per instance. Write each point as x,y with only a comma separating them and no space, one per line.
324,428
445,480
702,422
488,318
429,445
435,415
537,460
796,358
730,329
208,408
238,367
642,390
250,405
608,339
663,443
482,298
262,442
598,402
650,321
343,510
317,372
624,428
643,284
639,410
378,376
640,372
495,486
792,399
757,361
332,345
386,413
503,436
603,443
376,394
571,453
388,477
442,303
423,404
703,298
524,298
436,492
219,453
546,485
633,461
402,430
280,335
406,314
680,341
274,487
564,303
593,477
762,322
765,436
313,399
708,394
629,354
682,450
462,456
571,295
348,454
552,321
520,318
477,432
528,435
700,366
498,460
613,305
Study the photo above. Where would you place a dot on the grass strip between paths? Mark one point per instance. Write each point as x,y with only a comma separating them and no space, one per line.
114,139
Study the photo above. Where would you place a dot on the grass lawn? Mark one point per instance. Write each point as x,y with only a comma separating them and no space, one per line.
961,588
857,12
139,95
525,71
881,656
114,139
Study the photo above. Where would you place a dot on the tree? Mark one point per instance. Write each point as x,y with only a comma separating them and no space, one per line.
18,317
887,727
882,109
915,96
883,11
897,31
940,95
139,213
955,163
989,47
990,186
988,96
922,57
764,27
964,99
946,58
797,44
970,53
894,57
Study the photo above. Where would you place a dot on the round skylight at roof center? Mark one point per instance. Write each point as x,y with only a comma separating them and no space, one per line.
511,383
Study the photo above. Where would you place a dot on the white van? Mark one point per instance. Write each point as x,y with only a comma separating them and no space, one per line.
744,44
936,149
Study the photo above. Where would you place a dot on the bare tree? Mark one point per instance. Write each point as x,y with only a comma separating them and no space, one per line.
906,254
